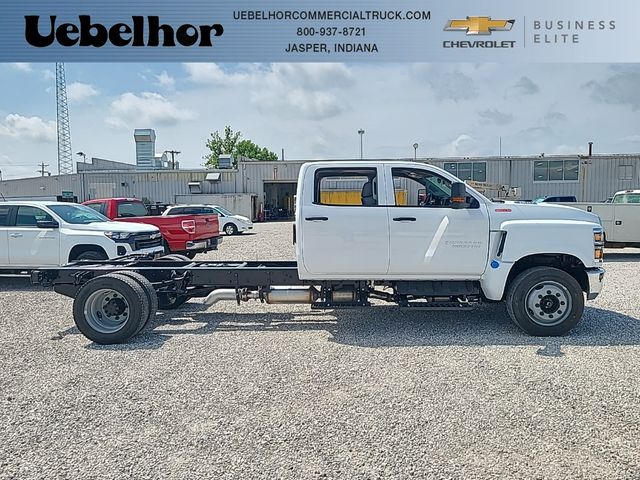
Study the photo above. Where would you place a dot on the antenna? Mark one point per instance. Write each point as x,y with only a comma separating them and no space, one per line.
65,158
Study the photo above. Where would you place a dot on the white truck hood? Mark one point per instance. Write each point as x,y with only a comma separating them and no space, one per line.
501,212
116,227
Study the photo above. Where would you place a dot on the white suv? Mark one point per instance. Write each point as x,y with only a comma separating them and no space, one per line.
34,234
230,223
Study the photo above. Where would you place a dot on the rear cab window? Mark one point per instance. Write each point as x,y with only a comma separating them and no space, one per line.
5,215
100,207
128,209
346,187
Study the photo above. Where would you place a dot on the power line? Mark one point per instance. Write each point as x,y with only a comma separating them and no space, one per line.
42,170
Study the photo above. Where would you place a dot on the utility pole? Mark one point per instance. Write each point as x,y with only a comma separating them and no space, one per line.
361,133
173,160
42,168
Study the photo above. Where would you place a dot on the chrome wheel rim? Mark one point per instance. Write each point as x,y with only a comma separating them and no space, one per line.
106,311
548,303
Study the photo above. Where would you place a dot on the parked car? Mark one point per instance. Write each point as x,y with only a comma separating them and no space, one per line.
556,199
35,234
185,234
230,223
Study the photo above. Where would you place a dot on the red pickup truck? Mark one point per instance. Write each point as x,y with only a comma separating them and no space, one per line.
185,234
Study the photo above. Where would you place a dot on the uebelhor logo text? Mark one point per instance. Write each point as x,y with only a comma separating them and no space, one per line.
140,33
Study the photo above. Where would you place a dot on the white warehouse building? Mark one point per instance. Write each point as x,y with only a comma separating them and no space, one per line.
254,186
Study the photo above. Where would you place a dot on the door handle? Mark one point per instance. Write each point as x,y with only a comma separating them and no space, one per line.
15,235
316,219
404,219
618,222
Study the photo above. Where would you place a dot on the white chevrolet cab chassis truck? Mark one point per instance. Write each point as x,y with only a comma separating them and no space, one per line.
400,232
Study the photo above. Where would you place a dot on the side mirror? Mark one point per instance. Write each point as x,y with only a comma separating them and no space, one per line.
47,224
459,195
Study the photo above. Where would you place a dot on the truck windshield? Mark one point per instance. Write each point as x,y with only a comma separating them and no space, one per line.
627,198
78,214
131,209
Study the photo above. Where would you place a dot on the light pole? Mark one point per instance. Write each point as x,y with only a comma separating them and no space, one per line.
361,133
415,151
83,155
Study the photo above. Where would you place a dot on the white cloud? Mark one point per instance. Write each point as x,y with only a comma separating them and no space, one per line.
463,146
145,110
21,67
30,128
164,80
307,90
632,138
78,92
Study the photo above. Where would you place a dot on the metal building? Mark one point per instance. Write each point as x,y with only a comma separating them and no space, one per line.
255,186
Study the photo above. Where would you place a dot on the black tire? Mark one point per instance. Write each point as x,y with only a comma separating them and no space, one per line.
230,229
190,255
149,290
545,301
128,292
91,255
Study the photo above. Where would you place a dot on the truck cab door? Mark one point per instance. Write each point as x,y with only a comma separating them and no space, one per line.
5,217
428,238
30,245
342,225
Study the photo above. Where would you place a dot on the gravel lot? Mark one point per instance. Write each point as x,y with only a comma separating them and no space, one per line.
284,392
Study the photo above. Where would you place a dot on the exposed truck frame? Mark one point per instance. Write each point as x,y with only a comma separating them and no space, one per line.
430,244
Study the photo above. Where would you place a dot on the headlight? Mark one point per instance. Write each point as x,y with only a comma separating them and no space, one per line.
117,235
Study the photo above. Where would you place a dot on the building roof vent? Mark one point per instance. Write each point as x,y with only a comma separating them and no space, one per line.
225,161
213,177
195,187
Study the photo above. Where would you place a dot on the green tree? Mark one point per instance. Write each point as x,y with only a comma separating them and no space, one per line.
230,143
246,148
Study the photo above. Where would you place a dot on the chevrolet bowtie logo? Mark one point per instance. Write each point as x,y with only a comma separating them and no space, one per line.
479,25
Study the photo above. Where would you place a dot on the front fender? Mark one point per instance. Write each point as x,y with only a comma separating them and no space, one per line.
523,238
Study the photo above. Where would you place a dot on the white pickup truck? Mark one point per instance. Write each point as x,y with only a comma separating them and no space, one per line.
35,234
398,232
620,219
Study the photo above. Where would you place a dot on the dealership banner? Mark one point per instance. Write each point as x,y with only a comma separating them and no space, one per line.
320,31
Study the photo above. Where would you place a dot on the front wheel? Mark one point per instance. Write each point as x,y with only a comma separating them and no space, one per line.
230,229
545,301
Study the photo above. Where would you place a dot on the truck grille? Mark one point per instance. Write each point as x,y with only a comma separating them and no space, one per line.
147,241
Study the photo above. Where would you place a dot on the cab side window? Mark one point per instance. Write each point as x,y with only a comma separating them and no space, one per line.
98,207
413,187
420,188
30,216
5,214
346,187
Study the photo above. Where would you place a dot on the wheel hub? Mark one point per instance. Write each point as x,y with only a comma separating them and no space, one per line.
106,311
548,303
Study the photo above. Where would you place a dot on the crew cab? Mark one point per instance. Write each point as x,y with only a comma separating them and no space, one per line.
620,218
398,232
34,234
182,234
230,223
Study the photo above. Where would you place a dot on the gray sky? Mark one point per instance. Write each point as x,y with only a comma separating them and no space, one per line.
314,110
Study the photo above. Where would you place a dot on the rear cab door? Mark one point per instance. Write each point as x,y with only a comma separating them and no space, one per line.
428,239
6,212
342,224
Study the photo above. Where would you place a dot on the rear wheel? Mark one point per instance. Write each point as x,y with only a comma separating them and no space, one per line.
150,292
545,301
230,229
110,308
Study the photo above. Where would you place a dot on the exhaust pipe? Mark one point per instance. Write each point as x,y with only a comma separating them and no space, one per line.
291,295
